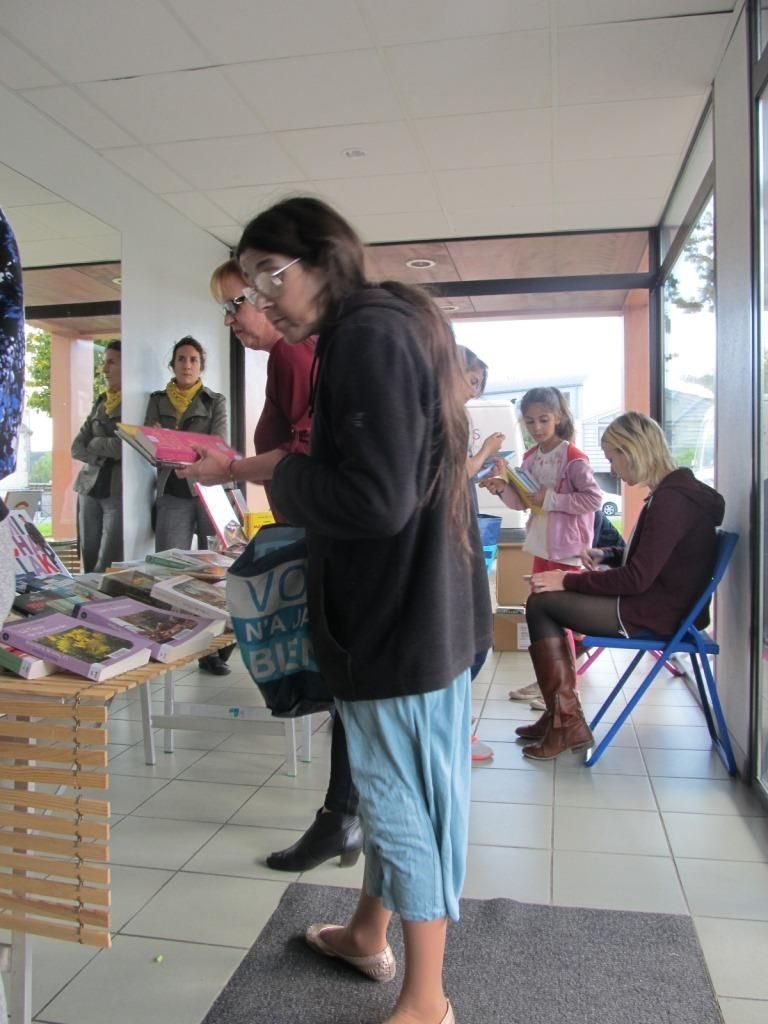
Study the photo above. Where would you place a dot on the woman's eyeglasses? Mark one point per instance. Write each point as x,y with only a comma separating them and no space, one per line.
267,283
231,306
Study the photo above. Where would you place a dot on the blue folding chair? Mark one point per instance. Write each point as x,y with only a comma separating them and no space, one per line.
687,640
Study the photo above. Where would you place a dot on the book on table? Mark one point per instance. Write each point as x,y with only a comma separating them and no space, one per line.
57,593
209,565
32,553
170,634
163,447
96,652
222,513
22,664
191,595
136,582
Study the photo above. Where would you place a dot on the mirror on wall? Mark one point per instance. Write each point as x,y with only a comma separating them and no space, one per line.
72,290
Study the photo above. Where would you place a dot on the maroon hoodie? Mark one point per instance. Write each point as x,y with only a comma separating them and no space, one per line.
669,561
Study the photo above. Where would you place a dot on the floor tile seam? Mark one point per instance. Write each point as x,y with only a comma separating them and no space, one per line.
509,846
168,880
613,853
286,877
129,775
721,860
165,782
68,982
185,942
717,814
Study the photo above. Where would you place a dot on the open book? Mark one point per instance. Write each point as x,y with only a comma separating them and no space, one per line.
222,513
171,635
163,447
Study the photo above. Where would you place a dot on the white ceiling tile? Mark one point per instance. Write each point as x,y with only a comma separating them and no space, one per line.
244,203
466,76
339,88
63,251
146,168
239,30
227,163
513,220
228,235
594,12
586,181
56,220
384,194
85,40
482,140
176,106
630,128
79,116
403,21
640,60
627,213
197,208
20,71
16,190
319,152
402,227
514,185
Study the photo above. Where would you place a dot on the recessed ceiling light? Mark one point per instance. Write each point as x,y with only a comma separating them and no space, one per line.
420,264
354,153
449,307
117,280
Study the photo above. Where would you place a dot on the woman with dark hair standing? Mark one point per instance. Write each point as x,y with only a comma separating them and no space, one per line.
99,484
398,596
186,404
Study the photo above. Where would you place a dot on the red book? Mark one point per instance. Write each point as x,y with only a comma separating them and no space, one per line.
163,447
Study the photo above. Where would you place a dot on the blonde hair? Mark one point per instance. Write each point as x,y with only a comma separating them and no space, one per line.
229,269
642,440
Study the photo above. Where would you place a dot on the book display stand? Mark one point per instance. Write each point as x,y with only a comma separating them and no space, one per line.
55,847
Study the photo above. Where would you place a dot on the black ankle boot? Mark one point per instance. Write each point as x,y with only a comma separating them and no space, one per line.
331,834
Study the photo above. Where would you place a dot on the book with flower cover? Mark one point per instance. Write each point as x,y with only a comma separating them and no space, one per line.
171,635
163,447
191,595
96,652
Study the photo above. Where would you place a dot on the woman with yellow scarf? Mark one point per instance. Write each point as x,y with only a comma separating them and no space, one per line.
184,404
99,484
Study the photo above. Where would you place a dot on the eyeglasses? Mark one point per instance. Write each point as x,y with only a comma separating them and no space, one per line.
231,306
268,283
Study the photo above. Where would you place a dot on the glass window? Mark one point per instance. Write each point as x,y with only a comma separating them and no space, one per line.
689,350
697,164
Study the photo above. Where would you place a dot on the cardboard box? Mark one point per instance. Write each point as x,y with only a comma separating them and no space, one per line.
510,630
512,563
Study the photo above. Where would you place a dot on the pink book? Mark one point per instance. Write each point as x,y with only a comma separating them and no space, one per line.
163,447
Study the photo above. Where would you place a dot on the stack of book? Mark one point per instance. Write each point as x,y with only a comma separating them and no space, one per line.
100,625
163,447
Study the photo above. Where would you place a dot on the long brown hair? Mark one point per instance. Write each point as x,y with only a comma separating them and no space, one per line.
554,400
309,229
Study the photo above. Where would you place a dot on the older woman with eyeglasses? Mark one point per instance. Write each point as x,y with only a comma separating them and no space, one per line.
398,595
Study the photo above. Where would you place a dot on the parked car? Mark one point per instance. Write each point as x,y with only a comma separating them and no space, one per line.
611,504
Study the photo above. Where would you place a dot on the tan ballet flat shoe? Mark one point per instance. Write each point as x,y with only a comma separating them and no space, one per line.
378,967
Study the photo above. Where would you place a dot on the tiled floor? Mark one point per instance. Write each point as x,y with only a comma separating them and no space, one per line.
656,825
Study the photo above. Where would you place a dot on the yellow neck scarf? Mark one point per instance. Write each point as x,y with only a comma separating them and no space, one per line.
181,400
112,402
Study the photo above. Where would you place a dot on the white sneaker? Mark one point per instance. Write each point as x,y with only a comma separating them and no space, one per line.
525,693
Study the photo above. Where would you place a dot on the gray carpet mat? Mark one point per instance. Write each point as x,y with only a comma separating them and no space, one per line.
506,963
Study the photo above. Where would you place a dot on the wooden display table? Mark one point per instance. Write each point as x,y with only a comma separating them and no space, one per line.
54,846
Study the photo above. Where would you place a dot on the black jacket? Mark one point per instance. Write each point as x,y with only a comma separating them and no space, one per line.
396,607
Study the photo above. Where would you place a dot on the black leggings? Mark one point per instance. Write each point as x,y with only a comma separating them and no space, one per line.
341,795
550,614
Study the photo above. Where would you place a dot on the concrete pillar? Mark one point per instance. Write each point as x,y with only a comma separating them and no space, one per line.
637,383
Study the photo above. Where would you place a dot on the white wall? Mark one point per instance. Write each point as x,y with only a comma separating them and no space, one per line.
166,265
734,427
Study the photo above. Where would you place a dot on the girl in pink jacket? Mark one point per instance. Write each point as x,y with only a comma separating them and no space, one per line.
563,508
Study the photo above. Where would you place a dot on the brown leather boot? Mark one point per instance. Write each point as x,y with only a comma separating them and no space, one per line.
556,673
536,730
